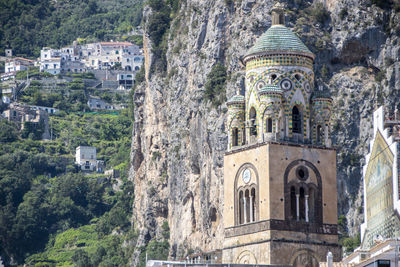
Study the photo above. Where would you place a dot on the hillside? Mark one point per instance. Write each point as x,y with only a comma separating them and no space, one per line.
49,207
192,67
27,26
52,213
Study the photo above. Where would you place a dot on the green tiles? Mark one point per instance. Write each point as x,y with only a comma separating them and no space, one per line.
235,99
269,88
278,38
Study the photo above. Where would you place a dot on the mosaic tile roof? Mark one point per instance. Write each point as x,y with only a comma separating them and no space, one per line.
235,99
270,88
278,38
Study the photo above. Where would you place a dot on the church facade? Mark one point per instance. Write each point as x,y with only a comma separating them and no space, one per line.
381,181
280,192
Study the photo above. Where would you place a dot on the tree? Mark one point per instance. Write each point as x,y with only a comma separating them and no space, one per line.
215,85
33,130
81,258
8,131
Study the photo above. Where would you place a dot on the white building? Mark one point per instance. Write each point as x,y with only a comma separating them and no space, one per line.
382,254
125,81
86,157
50,60
98,103
73,66
66,59
107,54
17,64
380,231
49,110
102,55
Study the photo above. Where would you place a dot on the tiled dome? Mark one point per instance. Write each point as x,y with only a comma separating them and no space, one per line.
278,38
236,99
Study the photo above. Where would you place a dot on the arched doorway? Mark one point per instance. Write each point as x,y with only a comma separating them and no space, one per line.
304,258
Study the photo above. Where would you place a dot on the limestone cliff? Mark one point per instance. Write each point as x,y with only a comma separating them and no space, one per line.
179,138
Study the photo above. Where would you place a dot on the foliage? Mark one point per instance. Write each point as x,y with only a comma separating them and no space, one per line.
81,258
72,97
82,75
84,247
136,39
318,12
8,131
157,26
33,130
215,85
27,26
32,72
324,72
42,194
140,76
24,213
110,134
343,13
157,249
349,243
385,4
379,76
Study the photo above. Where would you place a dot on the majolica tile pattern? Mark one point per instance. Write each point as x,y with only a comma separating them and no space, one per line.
279,77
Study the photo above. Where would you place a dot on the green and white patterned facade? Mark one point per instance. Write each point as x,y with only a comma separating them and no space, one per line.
279,77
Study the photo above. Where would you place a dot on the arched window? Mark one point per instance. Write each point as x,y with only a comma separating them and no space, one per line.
246,195
293,212
319,134
253,205
302,206
253,122
269,125
235,136
304,201
247,206
296,120
311,204
240,205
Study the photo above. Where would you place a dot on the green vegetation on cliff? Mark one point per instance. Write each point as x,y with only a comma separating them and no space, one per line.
45,199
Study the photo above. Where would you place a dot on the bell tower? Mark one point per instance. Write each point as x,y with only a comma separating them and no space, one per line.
280,193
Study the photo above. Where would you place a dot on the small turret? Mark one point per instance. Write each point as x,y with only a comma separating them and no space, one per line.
321,106
278,16
235,120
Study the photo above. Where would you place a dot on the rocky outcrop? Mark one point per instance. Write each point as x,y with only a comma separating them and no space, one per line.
179,138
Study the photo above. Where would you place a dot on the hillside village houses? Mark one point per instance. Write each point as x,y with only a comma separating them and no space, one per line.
12,65
17,64
94,56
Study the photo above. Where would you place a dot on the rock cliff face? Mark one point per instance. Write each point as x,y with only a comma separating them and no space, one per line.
179,138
